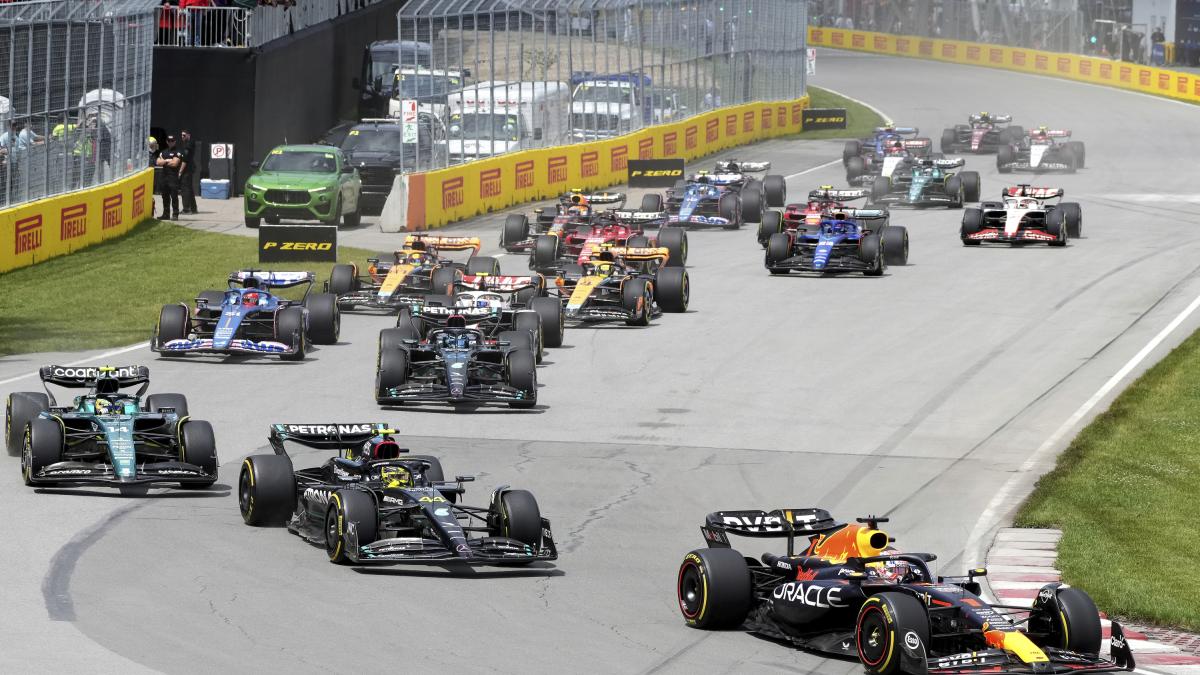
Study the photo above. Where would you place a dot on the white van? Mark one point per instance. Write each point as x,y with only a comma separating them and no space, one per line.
496,117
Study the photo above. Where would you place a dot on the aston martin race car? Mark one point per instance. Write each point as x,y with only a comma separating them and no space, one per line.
573,209
374,503
983,133
727,197
457,365
849,594
1040,151
880,154
418,269
1023,216
250,318
634,285
821,203
851,240
611,228
927,182
108,435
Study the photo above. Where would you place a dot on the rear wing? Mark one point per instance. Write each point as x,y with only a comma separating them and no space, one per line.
442,243
1030,191
864,214
600,198
778,523
331,436
917,143
903,131
640,254
269,279
501,283
84,377
742,167
999,119
639,216
1059,133
829,194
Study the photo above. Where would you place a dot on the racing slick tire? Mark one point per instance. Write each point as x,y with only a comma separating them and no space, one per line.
516,515
267,490
212,301
637,297
545,251
343,279
779,248
880,188
516,229
1078,151
855,168
775,189
42,446
404,319
714,588
289,322
324,318
851,150
638,241
392,371
443,279
672,289
1072,623
949,140
522,374
393,338
729,207
253,222
674,239
550,311
1012,134
895,244
970,185
22,408
1005,156
1074,218
972,222
173,323
482,264
158,402
887,624
1056,224
347,507
955,190
519,339
531,323
871,251
199,447
752,203
652,203
772,223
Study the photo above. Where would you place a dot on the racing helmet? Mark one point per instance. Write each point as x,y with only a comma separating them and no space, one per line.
251,299
104,406
381,447
396,477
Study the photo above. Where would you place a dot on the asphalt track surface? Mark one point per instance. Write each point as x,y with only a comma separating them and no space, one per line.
916,395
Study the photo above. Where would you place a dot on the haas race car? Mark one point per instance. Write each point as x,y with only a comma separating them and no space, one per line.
983,133
1024,216
419,268
850,240
849,594
1042,150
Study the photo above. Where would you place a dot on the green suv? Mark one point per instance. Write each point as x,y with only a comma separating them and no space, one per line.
303,182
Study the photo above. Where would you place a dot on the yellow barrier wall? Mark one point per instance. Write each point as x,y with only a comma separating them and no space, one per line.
448,195
1096,70
37,231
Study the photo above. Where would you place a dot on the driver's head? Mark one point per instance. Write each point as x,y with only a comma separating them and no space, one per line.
251,298
106,407
396,477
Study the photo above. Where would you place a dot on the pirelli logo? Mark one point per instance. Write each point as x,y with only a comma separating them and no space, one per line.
995,55
690,135
817,35
1196,86
838,38
524,174
925,48
589,164
949,51
618,158
1064,64
646,148
903,45
1106,71
1164,81
781,116
489,183
731,125
110,215
748,121
1041,62
452,192
139,201
556,169
1126,74
712,130
880,43
1085,67
670,143
1143,77
1181,84
28,234
858,41
797,114
973,53
766,119
73,222
1018,58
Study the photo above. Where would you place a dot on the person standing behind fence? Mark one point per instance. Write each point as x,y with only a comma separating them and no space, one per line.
172,163
187,187
154,152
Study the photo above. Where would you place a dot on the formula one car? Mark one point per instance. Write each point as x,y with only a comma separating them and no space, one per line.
633,285
852,240
727,197
1023,216
456,365
850,594
248,318
108,436
573,209
418,269
981,134
926,182
880,154
615,228
376,504
821,203
1039,151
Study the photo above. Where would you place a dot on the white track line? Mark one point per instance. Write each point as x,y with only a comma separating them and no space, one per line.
97,357
815,168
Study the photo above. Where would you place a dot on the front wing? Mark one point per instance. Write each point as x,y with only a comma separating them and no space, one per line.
101,473
427,551
440,393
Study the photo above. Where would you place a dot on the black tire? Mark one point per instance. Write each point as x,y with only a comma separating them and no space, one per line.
1005,155
442,280
638,241
545,251
42,446
550,311
1056,225
779,248
675,240
772,223
880,188
289,322
324,318
516,230
1073,215
267,490
199,448
1073,622
393,338
522,374
971,185
949,140
531,323
954,188
729,207
252,222
882,631
482,264
672,289
855,168
850,150
173,323
972,222
1012,134
21,408
392,371
1077,149
158,402
271,220
335,219
518,339
354,218
652,203
752,203
343,279
895,244
775,189
346,508
637,298
714,588
517,516
871,251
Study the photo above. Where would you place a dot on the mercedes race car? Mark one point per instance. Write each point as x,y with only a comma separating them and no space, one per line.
851,240
250,318
1023,216
926,182
1040,151
727,197
611,228
983,133
418,269
376,504
573,209
880,154
634,285
821,203
849,594
107,435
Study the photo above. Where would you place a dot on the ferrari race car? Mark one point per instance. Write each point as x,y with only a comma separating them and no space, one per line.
1023,216
982,133
879,155
633,285
456,365
727,197
821,203
574,208
418,269
849,594
853,240
926,182
1040,151
376,504
611,228
107,435
249,318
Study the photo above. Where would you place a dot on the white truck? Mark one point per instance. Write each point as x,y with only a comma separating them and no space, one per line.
603,106
491,118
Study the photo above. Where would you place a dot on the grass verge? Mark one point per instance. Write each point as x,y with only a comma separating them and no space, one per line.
860,120
1126,494
110,294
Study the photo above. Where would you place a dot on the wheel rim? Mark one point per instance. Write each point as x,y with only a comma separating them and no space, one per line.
333,539
872,637
691,591
245,499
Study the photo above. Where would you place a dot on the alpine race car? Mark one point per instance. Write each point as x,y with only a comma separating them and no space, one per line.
418,269
107,435
880,154
1040,151
376,504
456,365
634,285
727,197
983,133
611,228
249,318
853,240
573,209
1023,216
821,203
850,594
926,182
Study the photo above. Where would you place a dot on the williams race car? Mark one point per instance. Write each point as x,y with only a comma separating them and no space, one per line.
926,182
611,228
821,203
248,318
851,240
1024,216
418,269
376,504
983,133
850,594
1040,151
108,436
573,209
633,285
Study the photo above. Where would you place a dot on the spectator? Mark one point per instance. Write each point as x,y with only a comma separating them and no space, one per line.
187,186
198,21
173,167
154,152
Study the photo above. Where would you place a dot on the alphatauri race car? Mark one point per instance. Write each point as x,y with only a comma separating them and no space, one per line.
573,209
1040,151
418,269
848,593
1023,216
376,504
983,133
927,182
850,240
634,285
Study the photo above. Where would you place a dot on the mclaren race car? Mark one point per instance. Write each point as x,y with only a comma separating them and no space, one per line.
1025,215
633,285
573,209
882,153
983,133
611,228
108,435
1041,151
851,240
821,203
250,318
418,269
927,182
849,594
376,504
727,197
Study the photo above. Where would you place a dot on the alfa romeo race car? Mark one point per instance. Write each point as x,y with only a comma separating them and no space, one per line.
1023,216
574,208
611,228
926,182
880,154
983,133
249,318
1040,151
821,203
416,270
107,435
376,504
850,594
727,197
633,285
852,240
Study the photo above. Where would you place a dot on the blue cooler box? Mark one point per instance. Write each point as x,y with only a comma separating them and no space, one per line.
214,189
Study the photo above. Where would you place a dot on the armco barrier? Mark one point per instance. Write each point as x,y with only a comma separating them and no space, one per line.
461,192
36,231
1131,76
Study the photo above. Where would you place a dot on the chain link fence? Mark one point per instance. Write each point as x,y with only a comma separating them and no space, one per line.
75,82
475,78
243,27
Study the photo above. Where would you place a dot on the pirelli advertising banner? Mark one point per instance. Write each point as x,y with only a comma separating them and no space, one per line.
47,228
290,243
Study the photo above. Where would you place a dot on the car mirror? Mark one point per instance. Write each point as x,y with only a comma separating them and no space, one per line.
255,165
